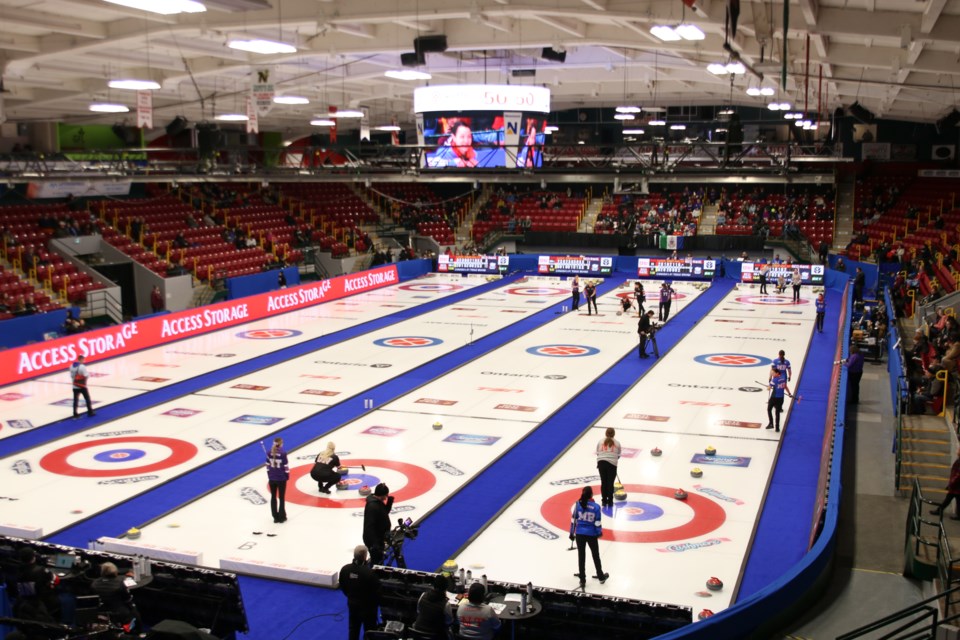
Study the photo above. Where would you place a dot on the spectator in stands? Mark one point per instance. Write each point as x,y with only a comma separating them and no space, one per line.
208,221
840,266
4,303
824,251
953,491
156,299
9,239
30,305
180,242
72,324
952,353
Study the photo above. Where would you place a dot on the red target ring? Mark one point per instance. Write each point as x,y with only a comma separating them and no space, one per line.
58,461
419,481
707,515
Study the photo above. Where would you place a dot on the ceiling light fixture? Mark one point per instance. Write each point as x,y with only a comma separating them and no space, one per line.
290,100
633,132
628,109
753,91
779,106
407,74
107,107
720,69
232,117
678,127
767,91
323,122
133,85
166,7
261,46
680,32
623,116
657,123
346,113
550,128
388,127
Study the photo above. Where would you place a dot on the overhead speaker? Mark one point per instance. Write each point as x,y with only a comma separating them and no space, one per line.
176,126
548,53
949,120
430,44
943,152
124,133
412,59
861,113
209,138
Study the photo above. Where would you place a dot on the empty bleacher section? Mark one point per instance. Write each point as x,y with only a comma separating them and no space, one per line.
511,211
334,214
27,228
426,209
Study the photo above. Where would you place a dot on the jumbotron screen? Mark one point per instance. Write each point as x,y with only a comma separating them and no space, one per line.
665,269
472,264
483,140
811,274
575,265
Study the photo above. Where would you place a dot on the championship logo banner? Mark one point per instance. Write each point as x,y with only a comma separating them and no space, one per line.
263,92
144,110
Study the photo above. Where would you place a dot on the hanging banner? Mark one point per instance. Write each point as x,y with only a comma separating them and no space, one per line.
3,114
365,124
394,135
511,132
263,92
420,140
144,109
333,130
253,117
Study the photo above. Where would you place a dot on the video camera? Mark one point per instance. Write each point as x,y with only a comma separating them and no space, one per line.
405,530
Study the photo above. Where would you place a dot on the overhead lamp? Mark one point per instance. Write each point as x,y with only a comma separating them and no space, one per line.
767,91
789,116
717,69
657,123
680,32
167,7
725,112
753,91
388,127
678,127
347,113
721,129
323,122
550,128
261,46
628,109
407,74
779,106
290,100
623,116
232,117
106,107
720,69
633,132
689,32
133,85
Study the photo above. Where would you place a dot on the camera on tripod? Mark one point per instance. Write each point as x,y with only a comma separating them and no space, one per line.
405,530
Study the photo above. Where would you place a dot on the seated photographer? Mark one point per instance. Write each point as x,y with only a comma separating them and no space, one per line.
433,613
115,598
35,596
477,619
326,468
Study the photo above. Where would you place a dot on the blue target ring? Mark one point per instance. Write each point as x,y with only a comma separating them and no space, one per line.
119,455
356,480
632,511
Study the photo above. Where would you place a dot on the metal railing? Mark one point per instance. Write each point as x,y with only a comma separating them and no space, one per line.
104,302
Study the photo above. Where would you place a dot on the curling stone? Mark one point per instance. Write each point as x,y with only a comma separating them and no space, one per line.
680,494
342,485
655,452
437,425
617,486
365,490
620,494
714,584
619,313
132,533
449,568
706,613
696,472
710,451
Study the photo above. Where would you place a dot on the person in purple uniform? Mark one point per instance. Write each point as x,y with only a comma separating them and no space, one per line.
278,472
854,365
821,312
586,529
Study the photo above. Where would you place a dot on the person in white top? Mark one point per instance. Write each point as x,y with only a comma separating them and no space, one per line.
608,455
78,376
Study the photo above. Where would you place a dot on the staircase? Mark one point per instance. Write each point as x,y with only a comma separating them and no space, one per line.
589,221
708,220
927,454
464,232
843,231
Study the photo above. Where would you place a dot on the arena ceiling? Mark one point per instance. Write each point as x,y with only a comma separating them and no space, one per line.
897,58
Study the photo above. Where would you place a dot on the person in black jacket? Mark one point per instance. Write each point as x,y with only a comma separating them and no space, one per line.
433,614
362,588
115,598
36,598
376,522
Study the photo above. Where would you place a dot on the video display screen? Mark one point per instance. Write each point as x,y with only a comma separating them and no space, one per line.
483,139
575,265
472,264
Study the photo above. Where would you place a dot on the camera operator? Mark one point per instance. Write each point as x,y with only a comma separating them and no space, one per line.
36,596
647,330
361,586
376,522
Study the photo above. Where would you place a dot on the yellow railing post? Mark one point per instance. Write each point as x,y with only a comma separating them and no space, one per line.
942,376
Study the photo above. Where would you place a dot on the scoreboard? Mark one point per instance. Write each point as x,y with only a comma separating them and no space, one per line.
575,265
811,274
689,269
472,264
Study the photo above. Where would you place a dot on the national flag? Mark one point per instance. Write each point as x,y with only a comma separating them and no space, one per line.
671,243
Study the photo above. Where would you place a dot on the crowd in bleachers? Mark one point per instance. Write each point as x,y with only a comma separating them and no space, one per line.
519,208
796,213
659,212
932,362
